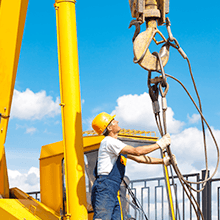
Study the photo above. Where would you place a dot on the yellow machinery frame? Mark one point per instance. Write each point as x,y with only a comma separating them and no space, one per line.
51,165
12,20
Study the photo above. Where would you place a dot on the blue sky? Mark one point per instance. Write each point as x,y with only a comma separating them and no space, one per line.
110,81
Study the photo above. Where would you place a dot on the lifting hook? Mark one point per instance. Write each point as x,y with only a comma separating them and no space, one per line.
142,54
152,12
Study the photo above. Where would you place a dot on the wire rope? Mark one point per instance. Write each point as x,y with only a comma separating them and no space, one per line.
187,187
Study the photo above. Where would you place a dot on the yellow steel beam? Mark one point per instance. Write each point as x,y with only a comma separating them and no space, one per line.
4,184
12,209
33,206
71,110
169,193
92,141
12,20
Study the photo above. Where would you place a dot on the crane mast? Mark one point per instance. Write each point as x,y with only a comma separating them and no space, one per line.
71,109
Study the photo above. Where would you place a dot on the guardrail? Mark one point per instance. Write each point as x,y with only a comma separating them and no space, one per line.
152,196
151,193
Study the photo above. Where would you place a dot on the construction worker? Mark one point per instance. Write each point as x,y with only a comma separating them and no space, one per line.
110,167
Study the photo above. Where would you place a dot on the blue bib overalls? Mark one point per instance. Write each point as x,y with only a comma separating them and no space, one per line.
104,193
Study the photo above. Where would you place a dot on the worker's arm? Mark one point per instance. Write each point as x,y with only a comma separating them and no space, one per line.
137,151
142,150
163,143
151,160
145,159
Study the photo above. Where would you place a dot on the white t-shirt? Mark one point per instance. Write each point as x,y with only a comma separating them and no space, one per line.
108,154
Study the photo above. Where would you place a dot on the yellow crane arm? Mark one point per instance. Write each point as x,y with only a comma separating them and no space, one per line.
12,20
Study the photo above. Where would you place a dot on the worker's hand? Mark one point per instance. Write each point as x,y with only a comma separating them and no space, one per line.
167,160
164,142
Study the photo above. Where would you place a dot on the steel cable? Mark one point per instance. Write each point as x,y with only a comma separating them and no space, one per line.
182,53
182,180
203,127
180,176
212,135
153,92
135,200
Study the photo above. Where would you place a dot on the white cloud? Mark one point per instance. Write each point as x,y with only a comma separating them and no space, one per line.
189,148
31,130
189,151
136,170
135,112
33,106
27,182
194,118
88,123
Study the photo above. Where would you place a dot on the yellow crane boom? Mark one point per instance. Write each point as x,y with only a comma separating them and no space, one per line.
12,20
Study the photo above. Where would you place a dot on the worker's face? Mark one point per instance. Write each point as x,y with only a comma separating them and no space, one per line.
114,127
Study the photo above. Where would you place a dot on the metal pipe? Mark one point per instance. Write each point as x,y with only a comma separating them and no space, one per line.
71,110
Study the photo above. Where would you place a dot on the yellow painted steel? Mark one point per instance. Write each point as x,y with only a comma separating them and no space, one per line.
51,176
169,192
137,134
34,206
51,150
24,207
4,185
71,110
92,142
90,216
12,209
119,200
51,169
12,20
51,182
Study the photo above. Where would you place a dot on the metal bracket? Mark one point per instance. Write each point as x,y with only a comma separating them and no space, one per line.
141,9
3,116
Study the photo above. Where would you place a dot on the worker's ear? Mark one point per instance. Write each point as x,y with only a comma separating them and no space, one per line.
109,127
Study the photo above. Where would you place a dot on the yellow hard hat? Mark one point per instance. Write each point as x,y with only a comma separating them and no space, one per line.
101,121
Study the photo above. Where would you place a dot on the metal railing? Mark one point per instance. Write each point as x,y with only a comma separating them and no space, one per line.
151,193
35,194
152,196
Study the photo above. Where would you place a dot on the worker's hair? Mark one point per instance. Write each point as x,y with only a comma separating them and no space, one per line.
106,131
